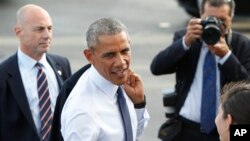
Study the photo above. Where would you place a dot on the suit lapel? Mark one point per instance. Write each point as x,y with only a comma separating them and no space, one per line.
57,69
194,55
17,88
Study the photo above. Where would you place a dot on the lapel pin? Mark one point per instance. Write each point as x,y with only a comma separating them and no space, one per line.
59,72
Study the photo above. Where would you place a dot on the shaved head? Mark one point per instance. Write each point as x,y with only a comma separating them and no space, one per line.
30,11
34,30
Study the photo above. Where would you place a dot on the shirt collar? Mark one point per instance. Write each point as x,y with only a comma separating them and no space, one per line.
44,61
105,85
205,49
25,61
28,62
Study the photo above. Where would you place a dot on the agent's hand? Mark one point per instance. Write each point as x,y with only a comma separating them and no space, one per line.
220,48
134,87
194,31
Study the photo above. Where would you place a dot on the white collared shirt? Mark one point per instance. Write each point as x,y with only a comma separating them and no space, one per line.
29,78
91,111
191,108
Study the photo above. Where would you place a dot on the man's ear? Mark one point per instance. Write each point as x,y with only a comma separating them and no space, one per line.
17,30
88,53
229,120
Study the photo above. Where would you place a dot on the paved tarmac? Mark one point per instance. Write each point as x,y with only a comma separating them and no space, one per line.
151,24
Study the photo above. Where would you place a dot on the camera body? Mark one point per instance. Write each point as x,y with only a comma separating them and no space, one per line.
169,102
211,30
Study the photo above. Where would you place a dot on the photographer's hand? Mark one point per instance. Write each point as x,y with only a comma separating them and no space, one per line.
220,48
194,31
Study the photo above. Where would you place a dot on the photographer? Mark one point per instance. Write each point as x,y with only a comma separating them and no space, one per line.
205,56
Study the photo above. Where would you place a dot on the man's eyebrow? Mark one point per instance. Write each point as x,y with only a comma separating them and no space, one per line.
42,26
126,49
108,53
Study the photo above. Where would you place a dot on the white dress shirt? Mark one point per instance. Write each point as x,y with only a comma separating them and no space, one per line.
191,108
29,72
91,111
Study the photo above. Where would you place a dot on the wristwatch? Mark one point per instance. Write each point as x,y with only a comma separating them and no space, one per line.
141,105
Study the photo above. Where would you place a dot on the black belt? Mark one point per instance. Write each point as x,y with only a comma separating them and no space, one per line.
189,123
193,125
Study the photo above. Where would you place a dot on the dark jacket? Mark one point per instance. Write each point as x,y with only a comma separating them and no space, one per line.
174,59
16,122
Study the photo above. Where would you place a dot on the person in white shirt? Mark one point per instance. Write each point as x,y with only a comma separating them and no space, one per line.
91,112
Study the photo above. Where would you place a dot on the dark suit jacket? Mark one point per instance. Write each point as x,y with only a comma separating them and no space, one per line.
61,99
16,122
174,59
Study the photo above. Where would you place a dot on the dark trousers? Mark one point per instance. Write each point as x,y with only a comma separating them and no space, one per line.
191,132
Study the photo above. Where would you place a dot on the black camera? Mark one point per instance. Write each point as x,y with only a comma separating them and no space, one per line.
169,102
211,30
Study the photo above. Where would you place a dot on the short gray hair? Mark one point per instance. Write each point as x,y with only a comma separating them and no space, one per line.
104,26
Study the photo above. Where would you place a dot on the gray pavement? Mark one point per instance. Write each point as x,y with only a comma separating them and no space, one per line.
150,23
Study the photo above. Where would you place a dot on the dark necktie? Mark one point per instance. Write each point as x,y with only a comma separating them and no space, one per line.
44,103
125,115
208,103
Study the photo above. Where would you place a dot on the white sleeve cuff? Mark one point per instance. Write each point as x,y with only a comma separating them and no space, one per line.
184,44
224,58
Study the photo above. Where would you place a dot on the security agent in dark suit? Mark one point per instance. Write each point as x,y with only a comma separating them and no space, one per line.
19,101
185,57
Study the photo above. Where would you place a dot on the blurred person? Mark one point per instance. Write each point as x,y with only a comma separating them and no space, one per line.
107,103
30,79
234,108
205,56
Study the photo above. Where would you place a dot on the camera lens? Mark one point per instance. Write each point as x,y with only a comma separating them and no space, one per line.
211,30
211,34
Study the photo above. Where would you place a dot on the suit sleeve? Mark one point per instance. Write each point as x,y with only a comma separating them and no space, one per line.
237,66
166,61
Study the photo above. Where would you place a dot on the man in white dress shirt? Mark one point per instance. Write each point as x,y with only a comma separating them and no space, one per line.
91,112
